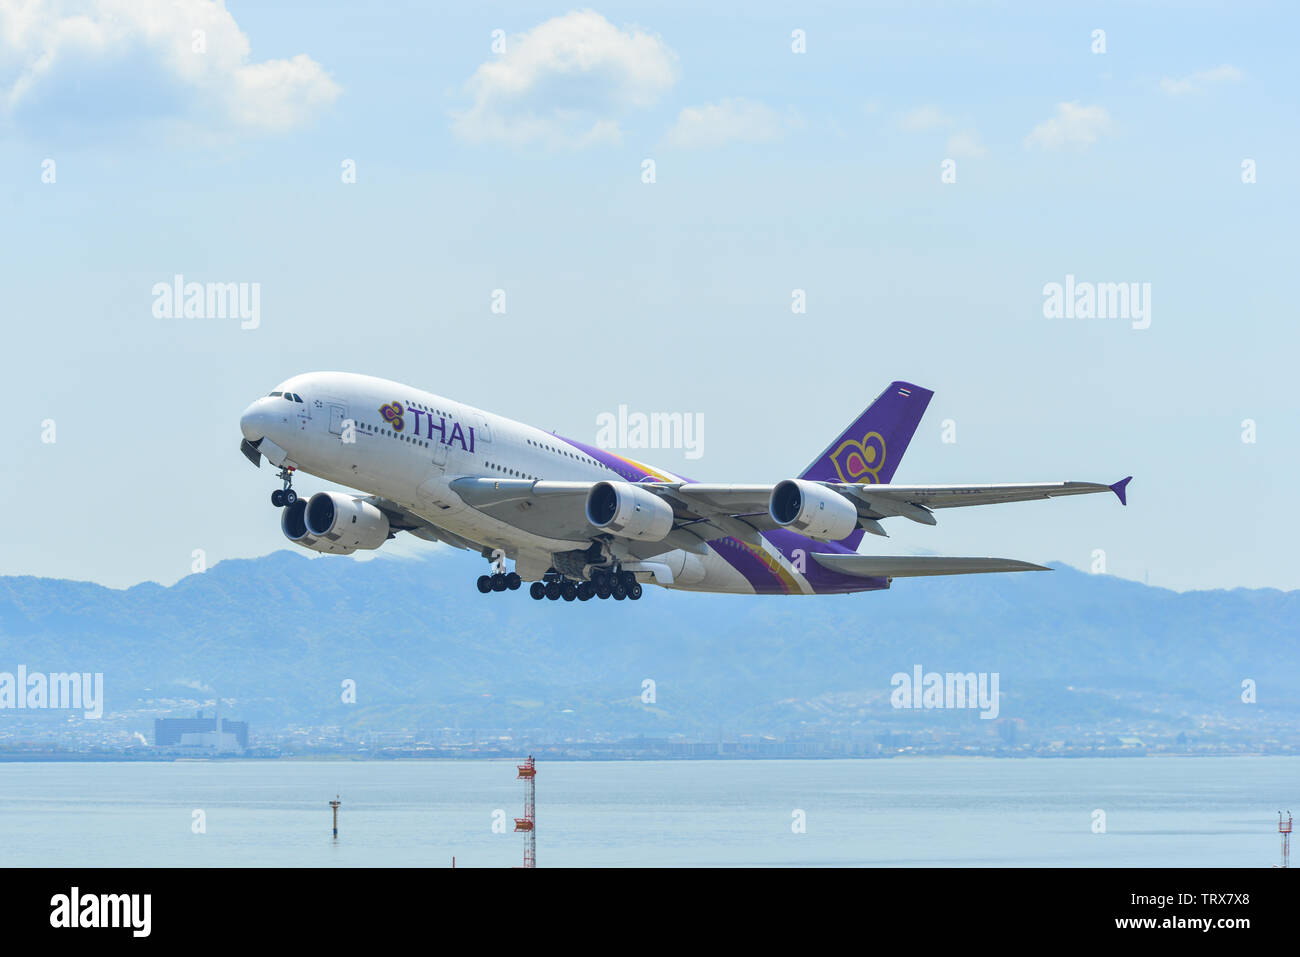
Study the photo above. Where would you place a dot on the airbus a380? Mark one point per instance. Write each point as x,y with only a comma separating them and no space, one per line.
582,522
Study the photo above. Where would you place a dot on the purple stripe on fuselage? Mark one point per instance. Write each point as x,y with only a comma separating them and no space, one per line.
763,580
627,470
823,580
741,557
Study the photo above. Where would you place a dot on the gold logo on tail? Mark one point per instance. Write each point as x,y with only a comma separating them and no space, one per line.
860,462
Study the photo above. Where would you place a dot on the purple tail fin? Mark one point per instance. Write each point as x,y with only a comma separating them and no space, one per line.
869,450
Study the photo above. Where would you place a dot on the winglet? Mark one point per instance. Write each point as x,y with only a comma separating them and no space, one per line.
1120,490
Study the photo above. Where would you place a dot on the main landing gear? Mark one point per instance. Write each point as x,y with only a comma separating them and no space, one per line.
618,585
498,581
283,498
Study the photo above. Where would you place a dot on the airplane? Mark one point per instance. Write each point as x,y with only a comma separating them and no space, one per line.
581,522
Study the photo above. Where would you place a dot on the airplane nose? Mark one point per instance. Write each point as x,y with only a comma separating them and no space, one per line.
253,423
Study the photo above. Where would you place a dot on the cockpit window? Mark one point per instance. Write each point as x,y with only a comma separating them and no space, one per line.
274,394
297,397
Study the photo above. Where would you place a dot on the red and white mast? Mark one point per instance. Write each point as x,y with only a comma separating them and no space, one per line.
527,823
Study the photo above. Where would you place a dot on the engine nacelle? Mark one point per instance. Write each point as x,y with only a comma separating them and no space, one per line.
293,523
813,510
630,511
344,521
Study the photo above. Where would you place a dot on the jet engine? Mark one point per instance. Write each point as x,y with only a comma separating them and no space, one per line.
334,522
293,523
813,510
629,510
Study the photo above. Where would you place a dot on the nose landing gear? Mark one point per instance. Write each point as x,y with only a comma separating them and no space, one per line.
283,498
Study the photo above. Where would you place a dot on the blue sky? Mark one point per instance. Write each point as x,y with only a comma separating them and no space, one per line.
774,171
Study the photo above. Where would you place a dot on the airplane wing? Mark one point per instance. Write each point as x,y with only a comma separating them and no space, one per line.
748,504
558,510
404,520
704,511
900,566
885,500
751,497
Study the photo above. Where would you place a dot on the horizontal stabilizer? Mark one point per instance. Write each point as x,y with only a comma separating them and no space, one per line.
905,566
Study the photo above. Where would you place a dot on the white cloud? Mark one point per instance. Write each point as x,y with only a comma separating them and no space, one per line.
44,42
281,93
565,83
728,120
1197,82
966,143
926,118
1073,125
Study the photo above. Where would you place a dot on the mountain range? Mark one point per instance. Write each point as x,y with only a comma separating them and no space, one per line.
278,636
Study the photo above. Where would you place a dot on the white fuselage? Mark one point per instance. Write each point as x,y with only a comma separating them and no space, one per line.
340,432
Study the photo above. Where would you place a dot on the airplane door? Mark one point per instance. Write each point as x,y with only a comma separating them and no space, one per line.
439,456
482,432
337,414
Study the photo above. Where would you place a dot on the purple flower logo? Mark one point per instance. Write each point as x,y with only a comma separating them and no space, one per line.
860,462
392,414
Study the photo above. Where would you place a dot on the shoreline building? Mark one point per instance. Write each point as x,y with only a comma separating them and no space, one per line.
215,733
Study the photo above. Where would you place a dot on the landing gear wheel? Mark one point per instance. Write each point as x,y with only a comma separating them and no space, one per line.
537,590
285,495
552,590
513,581
627,580
619,592
569,590
602,589
585,591
484,583
635,591
498,582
